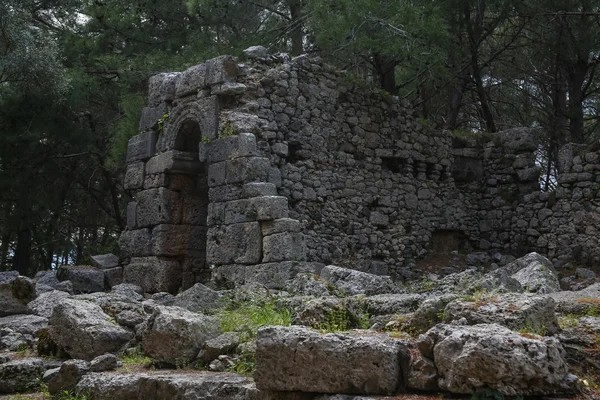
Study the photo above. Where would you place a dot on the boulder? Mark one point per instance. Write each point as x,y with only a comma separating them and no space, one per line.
14,341
535,273
353,282
299,359
105,362
84,331
125,310
222,344
23,375
200,385
469,358
68,375
45,302
133,292
175,336
308,284
48,278
85,279
199,298
24,324
15,293
579,302
516,311
256,52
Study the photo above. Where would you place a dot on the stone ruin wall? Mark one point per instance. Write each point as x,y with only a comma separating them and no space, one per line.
277,165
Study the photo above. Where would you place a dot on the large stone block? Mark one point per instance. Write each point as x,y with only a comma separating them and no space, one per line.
175,335
217,174
134,176
15,292
257,189
173,161
265,208
141,147
135,243
177,240
221,69
191,81
249,169
231,147
225,193
132,215
161,88
84,330
236,212
195,210
105,261
280,226
151,115
158,206
297,358
287,246
238,243
153,274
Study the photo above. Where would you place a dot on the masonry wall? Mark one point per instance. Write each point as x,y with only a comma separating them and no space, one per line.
258,170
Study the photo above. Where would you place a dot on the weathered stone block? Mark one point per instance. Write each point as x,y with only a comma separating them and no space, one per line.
216,214
173,161
297,358
238,243
132,215
135,243
170,240
195,210
151,115
280,226
113,276
217,174
231,147
105,261
153,274
161,88
191,81
257,189
15,292
225,193
266,208
141,147
249,169
158,206
221,69
134,176
286,246
236,212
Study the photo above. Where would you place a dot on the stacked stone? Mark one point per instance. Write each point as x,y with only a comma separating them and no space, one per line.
248,222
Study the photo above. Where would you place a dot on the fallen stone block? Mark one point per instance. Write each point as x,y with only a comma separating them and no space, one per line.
299,359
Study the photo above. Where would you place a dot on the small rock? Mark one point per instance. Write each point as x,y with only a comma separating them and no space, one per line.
105,362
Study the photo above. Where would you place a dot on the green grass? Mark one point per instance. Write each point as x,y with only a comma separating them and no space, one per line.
137,358
248,317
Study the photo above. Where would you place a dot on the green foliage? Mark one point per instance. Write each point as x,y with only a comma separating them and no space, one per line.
137,358
336,321
227,130
248,316
245,364
527,330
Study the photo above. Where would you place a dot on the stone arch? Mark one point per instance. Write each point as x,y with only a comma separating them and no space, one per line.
202,112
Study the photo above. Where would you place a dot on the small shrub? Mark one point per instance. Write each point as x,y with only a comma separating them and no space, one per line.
245,364
336,321
137,359
227,130
529,332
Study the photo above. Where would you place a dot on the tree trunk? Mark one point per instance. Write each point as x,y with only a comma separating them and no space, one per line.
576,97
296,35
385,68
23,252
4,250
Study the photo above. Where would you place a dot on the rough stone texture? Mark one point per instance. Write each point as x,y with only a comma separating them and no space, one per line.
356,282
105,362
472,357
85,279
105,261
45,302
199,298
237,243
535,273
15,292
577,302
69,374
222,344
297,358
84,330
24,324
256,52
22,375
134,292
153,274
175,336
524,311
225,386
